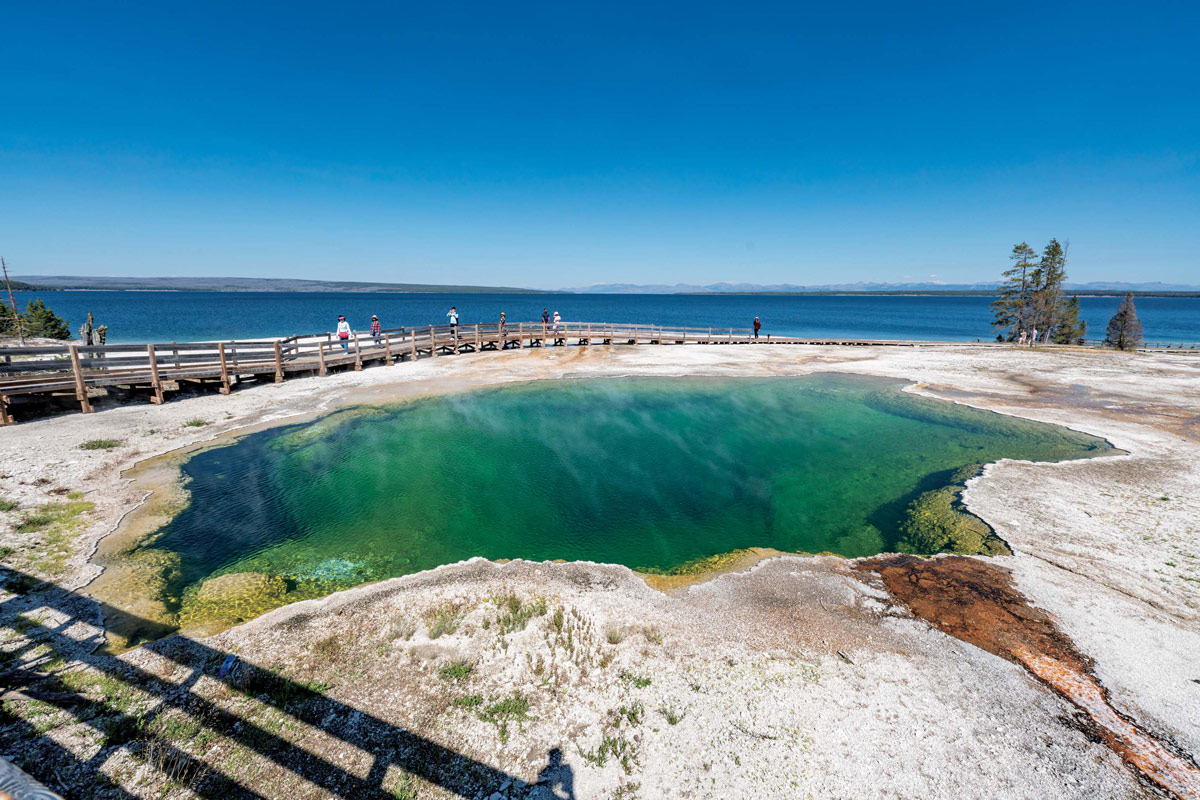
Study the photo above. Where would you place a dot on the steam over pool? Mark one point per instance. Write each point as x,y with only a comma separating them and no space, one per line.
650,473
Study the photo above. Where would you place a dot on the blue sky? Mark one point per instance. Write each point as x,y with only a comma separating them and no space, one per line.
565,144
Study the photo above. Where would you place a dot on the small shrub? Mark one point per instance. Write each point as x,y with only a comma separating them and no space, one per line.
442,620
195,422
501,712
100,444
402,628
469,701
614,635
456,670
638,681
653,635
517,614
7,505
673,715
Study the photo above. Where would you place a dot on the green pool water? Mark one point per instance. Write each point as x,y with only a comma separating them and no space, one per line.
650,473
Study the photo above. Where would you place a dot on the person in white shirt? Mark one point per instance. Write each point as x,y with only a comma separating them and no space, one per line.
343,332
453,315
557,328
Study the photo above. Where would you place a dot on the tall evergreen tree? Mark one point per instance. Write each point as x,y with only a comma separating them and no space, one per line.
1048,281
8,320
1070,329
1012,306
41,321
1125,329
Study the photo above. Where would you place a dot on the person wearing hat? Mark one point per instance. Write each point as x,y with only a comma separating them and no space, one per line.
343,332
503,331
376,329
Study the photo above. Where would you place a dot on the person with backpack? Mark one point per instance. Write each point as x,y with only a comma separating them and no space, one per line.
343,332
757,327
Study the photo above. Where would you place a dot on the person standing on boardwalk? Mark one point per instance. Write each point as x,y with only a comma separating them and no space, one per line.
503,331
1033,337
376,329
453,315
757,326
557,328
343,332
545,317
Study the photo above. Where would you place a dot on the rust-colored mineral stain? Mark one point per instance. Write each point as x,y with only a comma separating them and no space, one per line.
976,601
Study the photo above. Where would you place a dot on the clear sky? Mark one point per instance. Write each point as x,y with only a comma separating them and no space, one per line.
566,144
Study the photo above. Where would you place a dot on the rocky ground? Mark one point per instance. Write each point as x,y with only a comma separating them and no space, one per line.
795,677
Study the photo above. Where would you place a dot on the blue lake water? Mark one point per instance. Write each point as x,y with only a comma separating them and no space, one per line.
191,316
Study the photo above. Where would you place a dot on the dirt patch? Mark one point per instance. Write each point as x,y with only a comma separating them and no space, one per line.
976,602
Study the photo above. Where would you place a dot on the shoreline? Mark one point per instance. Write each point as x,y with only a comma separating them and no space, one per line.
1055,567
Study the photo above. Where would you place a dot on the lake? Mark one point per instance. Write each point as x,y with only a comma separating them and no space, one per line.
197,316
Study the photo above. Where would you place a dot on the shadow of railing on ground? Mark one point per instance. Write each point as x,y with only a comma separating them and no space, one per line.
385,744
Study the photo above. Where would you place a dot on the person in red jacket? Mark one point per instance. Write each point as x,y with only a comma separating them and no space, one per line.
757,326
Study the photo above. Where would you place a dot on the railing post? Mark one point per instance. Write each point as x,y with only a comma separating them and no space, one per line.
154,382
278,363
432,343
357,354
321,358
80,385
387,348
412,335
5,417
225,387
731,335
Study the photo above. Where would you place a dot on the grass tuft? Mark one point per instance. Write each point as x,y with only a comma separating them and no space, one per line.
456,670
195,422
100,444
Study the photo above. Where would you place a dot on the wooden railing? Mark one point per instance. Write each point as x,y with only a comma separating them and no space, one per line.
70,370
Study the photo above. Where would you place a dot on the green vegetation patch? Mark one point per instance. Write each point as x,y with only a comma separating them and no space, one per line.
456,670
506,710
100,444
7,504
59,523
196,422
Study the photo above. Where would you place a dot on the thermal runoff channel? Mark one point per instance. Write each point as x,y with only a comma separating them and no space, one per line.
650,473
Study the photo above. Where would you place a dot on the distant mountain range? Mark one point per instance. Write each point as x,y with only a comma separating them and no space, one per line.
1095,287
62,282
77,282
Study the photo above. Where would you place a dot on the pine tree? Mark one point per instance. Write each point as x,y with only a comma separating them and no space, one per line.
1125,329
1012,306
41,321
1071,329
1048,281
8,323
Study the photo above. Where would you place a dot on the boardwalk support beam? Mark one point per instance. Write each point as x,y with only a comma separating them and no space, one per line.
81,392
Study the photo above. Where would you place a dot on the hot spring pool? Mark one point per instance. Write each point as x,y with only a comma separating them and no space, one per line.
649,473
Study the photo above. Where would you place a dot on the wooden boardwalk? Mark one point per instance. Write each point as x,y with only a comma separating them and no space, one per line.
67,372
